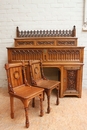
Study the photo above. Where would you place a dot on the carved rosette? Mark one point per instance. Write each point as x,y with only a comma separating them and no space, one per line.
36,70
16,75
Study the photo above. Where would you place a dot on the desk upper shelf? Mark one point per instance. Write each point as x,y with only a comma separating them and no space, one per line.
45,38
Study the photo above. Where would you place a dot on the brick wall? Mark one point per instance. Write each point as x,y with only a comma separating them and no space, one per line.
39,14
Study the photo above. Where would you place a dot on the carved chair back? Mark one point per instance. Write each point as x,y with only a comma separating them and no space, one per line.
16,76
36,70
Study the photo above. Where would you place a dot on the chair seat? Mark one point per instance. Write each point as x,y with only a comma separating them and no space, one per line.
27,91
47,84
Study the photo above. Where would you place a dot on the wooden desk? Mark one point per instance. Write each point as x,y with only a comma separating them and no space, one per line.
56,49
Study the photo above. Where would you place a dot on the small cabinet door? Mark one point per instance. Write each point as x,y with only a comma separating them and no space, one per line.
72,81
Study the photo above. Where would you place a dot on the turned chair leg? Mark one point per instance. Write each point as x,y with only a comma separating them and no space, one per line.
48,100
12,106
33,102
26,115
43,95
57,102
48,109
41,104
26,105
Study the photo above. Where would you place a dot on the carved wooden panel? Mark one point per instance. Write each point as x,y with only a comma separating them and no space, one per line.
48,41
26,54
56,54
16,76
64,55
45,43
71,79
25,43
66,43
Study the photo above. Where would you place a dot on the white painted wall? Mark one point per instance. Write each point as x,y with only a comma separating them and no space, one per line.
39,14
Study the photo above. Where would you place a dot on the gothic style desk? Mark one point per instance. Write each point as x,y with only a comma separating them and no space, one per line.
56,49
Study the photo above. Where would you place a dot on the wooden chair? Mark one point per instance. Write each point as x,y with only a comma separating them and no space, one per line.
19,88
38,79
